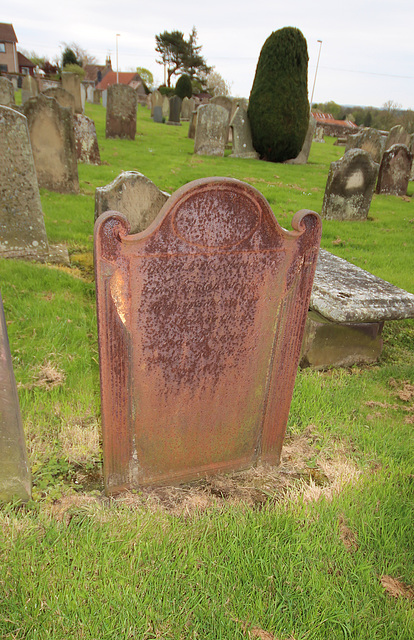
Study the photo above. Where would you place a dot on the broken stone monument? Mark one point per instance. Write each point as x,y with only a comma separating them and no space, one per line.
63,97
395,171
397,135
175,111
86,141
242,135
193,125
71,83
53,143
303,156
212,130
350,186
121,112
200,323
30,88
370,140
6,92
15,481
133,195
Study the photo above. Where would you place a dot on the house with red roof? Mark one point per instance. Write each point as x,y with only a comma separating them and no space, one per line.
11,60
332,127
130,78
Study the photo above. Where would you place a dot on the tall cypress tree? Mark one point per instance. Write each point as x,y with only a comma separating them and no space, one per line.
278,106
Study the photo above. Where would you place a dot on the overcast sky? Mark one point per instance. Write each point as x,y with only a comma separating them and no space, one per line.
367,53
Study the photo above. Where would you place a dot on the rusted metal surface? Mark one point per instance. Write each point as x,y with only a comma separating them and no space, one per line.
200,321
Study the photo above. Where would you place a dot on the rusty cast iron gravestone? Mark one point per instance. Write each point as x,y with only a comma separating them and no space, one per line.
14,467
200,321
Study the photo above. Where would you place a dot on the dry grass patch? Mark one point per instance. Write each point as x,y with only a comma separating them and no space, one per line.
347,536
47,376
397,589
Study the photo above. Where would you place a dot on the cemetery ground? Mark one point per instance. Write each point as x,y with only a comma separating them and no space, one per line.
321,547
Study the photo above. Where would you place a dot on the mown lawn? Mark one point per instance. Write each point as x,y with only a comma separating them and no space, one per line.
322,548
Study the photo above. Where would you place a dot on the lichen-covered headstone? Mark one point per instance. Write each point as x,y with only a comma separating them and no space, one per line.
63,97
6,92
22,227
175,110
212,130
53,143
318,137
134,195
200,324
350,186
121,112
242,135
397,135
30,88
193,125
86,141
370,140
228,104
15,481
303,156
71,83
395,171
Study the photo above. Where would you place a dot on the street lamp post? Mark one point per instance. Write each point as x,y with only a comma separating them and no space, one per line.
117,73
316,73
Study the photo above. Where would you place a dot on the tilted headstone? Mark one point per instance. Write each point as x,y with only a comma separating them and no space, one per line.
87,149
193,125
395,171
303,156
121,112
53,143
6,92
104,98
15,481
397,135
89,94
200,322
158,117
212,130
71,83
63,97
369,140
133,195
97,96
165,109
242,135
30,88
350,186
22,227
175,110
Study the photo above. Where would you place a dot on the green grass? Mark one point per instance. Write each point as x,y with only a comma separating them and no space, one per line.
76,565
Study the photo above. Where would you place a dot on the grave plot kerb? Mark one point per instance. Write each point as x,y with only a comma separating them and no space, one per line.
200,323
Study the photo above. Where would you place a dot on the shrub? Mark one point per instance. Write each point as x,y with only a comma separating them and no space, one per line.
184,87
166,91
278,106
74,68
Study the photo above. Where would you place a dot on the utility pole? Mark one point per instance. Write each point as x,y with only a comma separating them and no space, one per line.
316,73
117,72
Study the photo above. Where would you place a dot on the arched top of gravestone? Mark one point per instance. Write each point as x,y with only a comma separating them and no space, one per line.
223,101
63,97
6,92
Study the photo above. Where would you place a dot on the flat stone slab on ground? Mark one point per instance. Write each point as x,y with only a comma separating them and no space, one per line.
343,292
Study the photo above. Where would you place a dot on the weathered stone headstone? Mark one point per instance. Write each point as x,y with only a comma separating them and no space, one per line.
212,130
87,149
318,137
165,109
193,125
242,135
104,98
22,227
175,110
89,94
71,83
411,147
156,100
397,135
121,112
6,92
186,108
200,322
15,481
228,104
303,156
158,117
63,97
395,171
369,140
53,143
83,96
133,195
350,186
30,88
97,96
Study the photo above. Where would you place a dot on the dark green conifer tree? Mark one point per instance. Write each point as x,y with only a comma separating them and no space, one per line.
184,87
